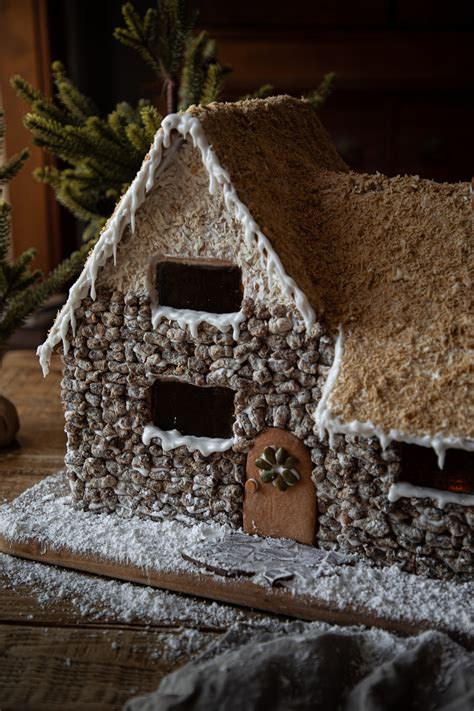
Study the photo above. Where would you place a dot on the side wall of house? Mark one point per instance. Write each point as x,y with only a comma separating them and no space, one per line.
356,515
278,374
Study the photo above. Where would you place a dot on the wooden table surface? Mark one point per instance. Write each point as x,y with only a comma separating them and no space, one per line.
53,657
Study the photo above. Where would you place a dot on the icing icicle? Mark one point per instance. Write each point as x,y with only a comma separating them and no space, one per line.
326,422
404,490
193,319
172,439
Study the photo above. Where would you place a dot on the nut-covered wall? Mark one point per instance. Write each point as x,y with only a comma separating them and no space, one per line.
278,372
115,356
356,515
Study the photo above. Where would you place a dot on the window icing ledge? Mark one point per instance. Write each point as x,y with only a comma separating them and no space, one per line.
404,490
193,319
171,439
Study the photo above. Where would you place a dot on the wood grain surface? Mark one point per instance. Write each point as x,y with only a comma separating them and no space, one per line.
51,657
240,591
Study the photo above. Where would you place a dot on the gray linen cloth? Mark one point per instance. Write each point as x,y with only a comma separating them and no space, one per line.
332,669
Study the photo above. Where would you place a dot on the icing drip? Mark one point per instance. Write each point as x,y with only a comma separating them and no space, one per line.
185,125
171,439
332,425
193,319
404,490
269,258
323,413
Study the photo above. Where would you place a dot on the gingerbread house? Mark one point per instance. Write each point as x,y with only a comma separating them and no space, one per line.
264,339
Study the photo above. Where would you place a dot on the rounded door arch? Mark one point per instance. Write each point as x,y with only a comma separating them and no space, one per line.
280,497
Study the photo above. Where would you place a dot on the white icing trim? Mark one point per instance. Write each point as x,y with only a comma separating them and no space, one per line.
186,125
171,439
439,441
269,258
193,319
404,490
333,425
322,413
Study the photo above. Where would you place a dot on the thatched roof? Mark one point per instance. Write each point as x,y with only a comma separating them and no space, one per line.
388,258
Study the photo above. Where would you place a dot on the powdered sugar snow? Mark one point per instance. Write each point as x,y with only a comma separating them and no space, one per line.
45,514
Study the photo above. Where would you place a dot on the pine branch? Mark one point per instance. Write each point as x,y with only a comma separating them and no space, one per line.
119,119
41,104
25,90
137,136
151,120
50,135
159,38
198,54
26,280
213,83
140,35
20,267
20,307
262,92
97,136
13,165
78,106
92,231
317,97
5,211
20,292
78,204
3,284
49,175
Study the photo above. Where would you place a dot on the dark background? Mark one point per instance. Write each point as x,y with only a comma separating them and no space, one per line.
403,100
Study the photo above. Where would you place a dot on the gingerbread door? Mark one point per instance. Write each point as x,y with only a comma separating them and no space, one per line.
280,498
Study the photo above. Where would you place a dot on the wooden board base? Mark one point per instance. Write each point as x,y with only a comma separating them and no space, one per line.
274,575
238,591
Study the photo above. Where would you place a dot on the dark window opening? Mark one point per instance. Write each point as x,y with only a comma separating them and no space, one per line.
420,467
202,412
212,287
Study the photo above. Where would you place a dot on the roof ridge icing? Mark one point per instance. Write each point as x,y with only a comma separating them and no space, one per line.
161,154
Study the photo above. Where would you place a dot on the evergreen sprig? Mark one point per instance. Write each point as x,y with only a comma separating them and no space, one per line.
202,77
262,92
160,38
22,289
103,153
11,167
317,97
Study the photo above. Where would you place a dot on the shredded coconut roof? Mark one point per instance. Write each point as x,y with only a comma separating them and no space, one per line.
389,259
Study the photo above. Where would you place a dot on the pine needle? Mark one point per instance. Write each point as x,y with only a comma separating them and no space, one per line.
317,97
22,290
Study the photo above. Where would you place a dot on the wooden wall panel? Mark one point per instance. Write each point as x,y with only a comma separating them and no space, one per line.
381,60
389,55
24,49
309,15
457,14
300,13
